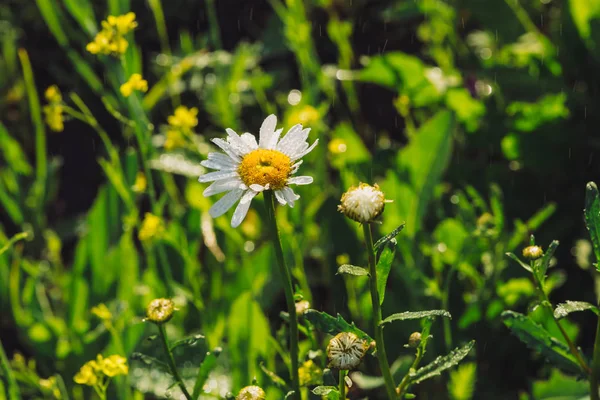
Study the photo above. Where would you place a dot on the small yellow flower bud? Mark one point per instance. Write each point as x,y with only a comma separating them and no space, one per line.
140,184
302,306
346,350
152,227
533,252
251,393
185,118
160,311
102,312
363,203
310,373
414,340
135,82
86,375
53,94
115,365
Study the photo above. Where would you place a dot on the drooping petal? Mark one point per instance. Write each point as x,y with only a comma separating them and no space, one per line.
279,197
223,185
228,149
267,130
289,195
304,152
214,176
242,208
225,203
250,140
295,137
259,188
300,180
296,166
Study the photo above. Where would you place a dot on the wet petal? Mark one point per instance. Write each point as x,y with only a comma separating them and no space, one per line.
279,197
293,138
301,154
227,148
289,196
222,185
267,131
214,176
250,140
237,143
242,209
300,180
225,203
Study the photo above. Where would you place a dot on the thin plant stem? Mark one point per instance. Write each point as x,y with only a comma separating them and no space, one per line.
213,23
406,380
342,384
595,376
172,366
286,278
13,388
381,354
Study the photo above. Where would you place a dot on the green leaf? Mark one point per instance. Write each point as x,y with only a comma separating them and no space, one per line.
352,270
561,387
442,363
276,379
462,382
545,262
592,216
586,16
208,364
331,392
83,13
328,324
538,339
384,265
150,361
13,240
13,154
521,263
416,315
388,237
353,151
189,341
564,309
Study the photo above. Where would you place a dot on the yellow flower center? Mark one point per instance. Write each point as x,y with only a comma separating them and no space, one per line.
265,167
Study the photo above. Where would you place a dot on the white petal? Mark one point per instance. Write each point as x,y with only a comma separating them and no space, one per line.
237,143
289,195
227,148
296,166
250,140
242,209
279,197
272,143
223,185
267,130
300,180
259,188
294,138
217,175
228,165
301,154
225,203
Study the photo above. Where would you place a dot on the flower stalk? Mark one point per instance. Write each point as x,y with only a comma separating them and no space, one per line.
595,376
286,278
381,354
342,384
163,337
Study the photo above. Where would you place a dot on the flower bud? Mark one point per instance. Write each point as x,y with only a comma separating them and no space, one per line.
160,311
302,306
363,203
533,252
414,340
251,393
346,350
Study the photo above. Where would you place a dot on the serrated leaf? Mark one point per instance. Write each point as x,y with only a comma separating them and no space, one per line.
331,392
564,309
592,216
208,364
521,263
188,341
416,315
538,339
384,265
352,270
388,237
328,324
442,363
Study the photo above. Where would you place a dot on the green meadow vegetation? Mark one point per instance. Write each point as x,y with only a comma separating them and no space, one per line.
288,199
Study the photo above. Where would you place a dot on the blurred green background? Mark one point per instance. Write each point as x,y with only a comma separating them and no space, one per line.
477,117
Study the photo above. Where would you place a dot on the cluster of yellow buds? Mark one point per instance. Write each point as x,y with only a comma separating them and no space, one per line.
152,228
140,184
181,124
53,111
135,82
110,40
309,373
50,386
95,372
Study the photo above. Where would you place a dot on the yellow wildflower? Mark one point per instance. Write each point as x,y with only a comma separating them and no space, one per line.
87,375
251,393
54,116
174,139
310,373
306,115
140,184
50,385
114,365
122,23
135,82
53,94
184,118
152,227
102,312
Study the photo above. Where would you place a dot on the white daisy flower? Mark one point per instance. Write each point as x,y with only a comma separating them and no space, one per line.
248,168
346,350
363,203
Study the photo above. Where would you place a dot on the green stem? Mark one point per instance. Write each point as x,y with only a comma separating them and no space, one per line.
406,380
286,278
381,355
595,377
213,23
172,366
13,388
342,383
